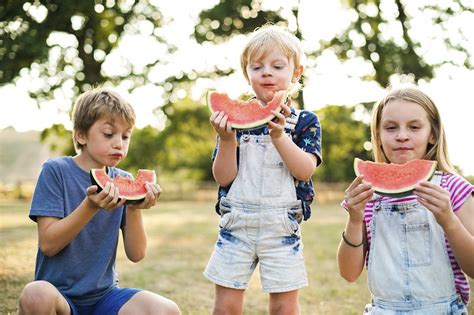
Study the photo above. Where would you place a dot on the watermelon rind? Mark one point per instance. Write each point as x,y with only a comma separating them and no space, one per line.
400,191
130,199
256,123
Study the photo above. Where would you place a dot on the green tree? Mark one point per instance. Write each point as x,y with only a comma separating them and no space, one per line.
185,146
343,140
367,35
64,42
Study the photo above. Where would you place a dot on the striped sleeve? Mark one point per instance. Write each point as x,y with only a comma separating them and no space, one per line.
459,189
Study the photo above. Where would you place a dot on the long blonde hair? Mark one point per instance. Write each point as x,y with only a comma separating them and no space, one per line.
437,151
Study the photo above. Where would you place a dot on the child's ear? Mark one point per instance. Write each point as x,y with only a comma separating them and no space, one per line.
297,74
432,140
80,137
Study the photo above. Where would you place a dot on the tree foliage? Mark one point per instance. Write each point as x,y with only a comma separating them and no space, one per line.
343,140
64,47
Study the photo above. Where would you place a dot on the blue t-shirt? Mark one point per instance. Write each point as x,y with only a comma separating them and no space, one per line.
84,270
307,136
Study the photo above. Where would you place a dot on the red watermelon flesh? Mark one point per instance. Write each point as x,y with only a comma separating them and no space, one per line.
245,114
133,190
395,180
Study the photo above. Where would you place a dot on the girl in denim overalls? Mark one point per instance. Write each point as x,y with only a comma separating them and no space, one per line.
417,248
265,179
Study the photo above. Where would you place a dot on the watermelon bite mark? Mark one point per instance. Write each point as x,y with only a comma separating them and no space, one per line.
245,114
395,180
133,190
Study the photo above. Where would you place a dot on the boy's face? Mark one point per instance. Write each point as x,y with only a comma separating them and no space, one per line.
106,143
271,73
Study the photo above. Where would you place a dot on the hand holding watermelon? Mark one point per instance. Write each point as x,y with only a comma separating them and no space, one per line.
151,197
107,198
220,122
243,115
132,191
437,200
356,197
277,124
395,180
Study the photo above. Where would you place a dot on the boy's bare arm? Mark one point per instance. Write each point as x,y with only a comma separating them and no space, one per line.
301,164
224,167
134,235
54,233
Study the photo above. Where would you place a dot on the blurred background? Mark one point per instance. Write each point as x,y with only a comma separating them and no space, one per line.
163,56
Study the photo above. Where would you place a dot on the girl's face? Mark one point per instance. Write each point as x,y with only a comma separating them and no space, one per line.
274,72
404,131
105,144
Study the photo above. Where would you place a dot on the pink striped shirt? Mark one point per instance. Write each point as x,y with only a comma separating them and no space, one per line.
460,190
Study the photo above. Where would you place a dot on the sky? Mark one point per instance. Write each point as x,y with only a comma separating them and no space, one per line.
330,82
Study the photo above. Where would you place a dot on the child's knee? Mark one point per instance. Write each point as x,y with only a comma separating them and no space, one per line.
171,308
37,295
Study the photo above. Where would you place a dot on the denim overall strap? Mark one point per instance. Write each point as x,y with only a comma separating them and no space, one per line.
409,267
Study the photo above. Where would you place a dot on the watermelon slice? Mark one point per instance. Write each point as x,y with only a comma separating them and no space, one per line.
133,190
245,114
395,180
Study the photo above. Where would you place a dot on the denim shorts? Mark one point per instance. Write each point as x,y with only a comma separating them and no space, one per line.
268,236
109,304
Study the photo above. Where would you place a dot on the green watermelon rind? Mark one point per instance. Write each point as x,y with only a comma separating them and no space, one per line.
129,199
402,191
252,125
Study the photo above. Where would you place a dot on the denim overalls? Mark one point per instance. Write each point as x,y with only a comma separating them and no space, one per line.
259,223
409,271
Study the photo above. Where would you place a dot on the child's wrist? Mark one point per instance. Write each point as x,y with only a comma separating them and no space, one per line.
228,141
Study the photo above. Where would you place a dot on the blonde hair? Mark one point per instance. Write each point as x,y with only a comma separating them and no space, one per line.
96,104
437,151
267,38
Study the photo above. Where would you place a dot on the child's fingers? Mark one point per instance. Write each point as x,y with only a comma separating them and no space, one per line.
285,110
223,122
279,119
91,190
358,180
213,117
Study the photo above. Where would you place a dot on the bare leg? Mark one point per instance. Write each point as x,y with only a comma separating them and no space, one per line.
146,302
42,298
228,301
285,303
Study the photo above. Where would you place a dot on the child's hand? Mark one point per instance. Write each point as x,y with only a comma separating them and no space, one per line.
152,195
356,197
277,125
107,199
437,200
219,120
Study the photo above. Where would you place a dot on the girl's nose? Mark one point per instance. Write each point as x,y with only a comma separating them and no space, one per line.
402,135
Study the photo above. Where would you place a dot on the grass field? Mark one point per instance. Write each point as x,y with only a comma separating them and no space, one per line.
181,237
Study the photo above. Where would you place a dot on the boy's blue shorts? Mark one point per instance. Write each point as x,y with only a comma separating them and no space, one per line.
109,304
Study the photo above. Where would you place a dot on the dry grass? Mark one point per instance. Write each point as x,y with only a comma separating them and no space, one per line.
181,238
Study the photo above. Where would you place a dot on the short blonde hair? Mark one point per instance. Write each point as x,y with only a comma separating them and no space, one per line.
96,104
437,151
267,38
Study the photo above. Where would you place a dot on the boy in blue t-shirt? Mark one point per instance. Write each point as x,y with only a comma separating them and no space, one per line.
78,226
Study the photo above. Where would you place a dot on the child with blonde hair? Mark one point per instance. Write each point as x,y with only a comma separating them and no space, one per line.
265,183
418,249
